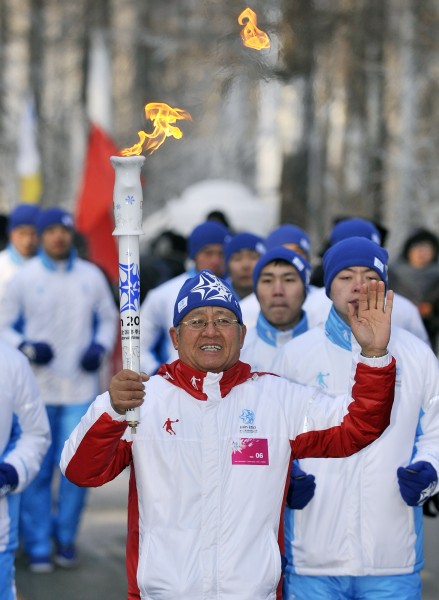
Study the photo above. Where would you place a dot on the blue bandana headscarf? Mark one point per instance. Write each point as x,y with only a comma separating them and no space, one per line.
205,289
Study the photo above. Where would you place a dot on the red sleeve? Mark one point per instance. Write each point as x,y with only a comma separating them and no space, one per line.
367,417
132,555
101,454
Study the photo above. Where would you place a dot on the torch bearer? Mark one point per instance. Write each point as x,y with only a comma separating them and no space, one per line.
127,205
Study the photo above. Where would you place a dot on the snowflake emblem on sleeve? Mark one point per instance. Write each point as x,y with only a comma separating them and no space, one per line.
129,287
211,288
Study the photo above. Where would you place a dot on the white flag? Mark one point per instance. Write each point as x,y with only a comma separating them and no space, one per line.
28,158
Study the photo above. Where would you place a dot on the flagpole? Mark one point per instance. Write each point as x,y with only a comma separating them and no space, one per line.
127,205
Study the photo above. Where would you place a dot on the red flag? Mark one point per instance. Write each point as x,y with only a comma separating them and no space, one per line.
94,207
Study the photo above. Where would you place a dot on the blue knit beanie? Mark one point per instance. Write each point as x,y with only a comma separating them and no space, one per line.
354,252
289,234
54,216
205,289
354,228
23,214
209,232
301,265
243,241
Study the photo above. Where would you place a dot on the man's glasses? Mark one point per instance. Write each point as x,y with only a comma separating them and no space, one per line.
219,323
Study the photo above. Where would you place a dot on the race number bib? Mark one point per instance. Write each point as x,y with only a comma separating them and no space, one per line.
250,451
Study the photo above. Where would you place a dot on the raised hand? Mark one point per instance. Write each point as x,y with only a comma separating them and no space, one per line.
370,321
127,390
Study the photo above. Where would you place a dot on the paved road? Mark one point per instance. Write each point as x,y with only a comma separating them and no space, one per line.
101,574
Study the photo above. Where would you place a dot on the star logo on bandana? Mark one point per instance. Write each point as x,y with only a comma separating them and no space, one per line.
211,288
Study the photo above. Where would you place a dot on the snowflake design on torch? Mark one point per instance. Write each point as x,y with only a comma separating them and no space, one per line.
129,287
211,288
130,200
118,206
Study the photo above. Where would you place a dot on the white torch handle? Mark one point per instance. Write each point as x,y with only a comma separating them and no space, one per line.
129,311
129,318
127,202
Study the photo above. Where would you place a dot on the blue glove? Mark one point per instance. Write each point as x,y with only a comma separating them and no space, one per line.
92,358
417,482
301,488
8,479
39,353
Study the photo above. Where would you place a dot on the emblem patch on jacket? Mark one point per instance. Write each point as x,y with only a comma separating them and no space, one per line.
247,417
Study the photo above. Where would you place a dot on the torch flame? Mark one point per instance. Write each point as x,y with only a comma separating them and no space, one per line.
252,37
162,115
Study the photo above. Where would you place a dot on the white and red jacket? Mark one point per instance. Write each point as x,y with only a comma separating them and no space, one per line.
209,464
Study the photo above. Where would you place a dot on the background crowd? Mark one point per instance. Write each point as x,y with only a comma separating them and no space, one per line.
60,313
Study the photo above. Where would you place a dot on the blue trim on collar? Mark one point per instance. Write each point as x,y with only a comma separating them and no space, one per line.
338,331
58,265
191,272
270,334
15,256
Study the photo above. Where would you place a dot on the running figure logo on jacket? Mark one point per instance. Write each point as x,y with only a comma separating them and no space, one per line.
320,379
168,425
194,382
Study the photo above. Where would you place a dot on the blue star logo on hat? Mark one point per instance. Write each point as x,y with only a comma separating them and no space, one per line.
211,288
205,289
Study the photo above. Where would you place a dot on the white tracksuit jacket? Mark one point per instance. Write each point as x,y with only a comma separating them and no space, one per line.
209,465
357,522
67,305
263,342
11,262
24,434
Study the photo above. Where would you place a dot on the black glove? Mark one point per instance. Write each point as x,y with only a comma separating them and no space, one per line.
8,478
417,482
39,353
302,487
92,358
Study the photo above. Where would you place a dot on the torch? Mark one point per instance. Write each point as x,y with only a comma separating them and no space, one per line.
127,205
